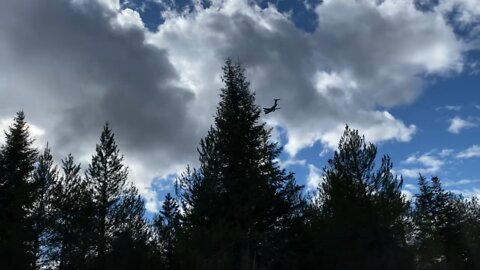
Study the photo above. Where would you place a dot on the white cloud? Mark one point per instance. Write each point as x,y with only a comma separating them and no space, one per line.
425,164
464,11
457,124
446,152
129,18
408,194
451,183
410,187
468,193
471,152
292,161
450,108
324,152
37,133
314,178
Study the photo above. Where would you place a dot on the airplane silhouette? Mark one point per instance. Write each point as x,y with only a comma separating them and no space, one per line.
273,108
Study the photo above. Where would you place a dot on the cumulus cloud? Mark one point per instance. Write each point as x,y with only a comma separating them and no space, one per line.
314,177
425,164
457,124
336,77
466,12
73,64
471,152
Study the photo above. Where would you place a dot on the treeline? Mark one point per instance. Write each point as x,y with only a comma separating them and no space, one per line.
238,210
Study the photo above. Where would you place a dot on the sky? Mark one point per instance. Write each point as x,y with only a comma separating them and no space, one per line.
405,73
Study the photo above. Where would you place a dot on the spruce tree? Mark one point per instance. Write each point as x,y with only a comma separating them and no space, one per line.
441,220
130,244
118,208
472,230
239,201
16,196
363,210
167,225
44,178
73,218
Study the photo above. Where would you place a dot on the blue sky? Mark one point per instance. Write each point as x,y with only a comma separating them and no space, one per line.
404,72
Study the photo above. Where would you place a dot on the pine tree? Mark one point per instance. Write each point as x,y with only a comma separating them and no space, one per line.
16,196
130,246
363,210
167,225
472,230
239,199
442,228
119,209
44,178
73,213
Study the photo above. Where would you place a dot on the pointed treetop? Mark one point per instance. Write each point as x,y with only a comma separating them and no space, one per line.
46,172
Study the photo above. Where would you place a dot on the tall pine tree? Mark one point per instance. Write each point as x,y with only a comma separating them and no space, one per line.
118,208
240,201
17,161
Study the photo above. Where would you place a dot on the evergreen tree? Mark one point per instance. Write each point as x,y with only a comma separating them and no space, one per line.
16,196
73,213
44,178
239,202
118,208
442,228
167,225
363,211
472,230
130,247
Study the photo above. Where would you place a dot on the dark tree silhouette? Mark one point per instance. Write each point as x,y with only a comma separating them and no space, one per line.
44,178
362,209
442,225
118,208
239,201
472,230
16,197
167,226
130,247
73,219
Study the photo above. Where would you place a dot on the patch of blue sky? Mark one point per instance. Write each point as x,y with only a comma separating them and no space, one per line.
151,10
443,100
302,12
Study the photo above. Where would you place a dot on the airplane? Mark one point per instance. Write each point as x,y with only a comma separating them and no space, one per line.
273,108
